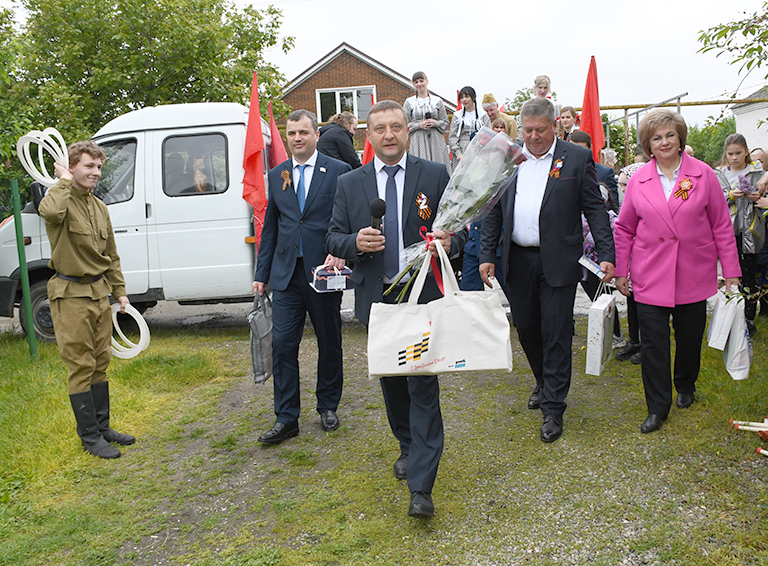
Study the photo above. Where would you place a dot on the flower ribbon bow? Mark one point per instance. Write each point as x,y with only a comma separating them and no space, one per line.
685,186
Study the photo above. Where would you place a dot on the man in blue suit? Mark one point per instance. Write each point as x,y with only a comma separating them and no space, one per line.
301,192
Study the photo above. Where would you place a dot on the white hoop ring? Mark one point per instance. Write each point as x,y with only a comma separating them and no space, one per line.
48,141
133,350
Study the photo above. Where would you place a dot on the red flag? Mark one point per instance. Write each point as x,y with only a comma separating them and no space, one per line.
254,191
458,101
591,122
368,152
278,149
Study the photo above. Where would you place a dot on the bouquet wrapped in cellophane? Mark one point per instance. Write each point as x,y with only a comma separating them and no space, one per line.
476,185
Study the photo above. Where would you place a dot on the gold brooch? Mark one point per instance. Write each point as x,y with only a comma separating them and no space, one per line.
286,175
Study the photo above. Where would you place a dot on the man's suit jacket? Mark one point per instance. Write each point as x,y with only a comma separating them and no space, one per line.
575,190
283,222
607,176
351,212
673,245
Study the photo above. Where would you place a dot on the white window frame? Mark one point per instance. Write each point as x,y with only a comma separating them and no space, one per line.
354,89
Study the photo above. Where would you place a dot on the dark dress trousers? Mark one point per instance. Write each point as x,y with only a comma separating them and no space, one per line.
289,276
542,281
413,403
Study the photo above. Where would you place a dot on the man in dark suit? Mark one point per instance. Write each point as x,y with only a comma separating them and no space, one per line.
540,215
605,175
301,193
403,181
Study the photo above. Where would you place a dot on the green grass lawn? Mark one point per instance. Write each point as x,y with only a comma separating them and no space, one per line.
197,488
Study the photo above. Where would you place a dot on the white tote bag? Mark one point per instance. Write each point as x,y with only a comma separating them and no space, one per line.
738,350
600,333
722,320
462,331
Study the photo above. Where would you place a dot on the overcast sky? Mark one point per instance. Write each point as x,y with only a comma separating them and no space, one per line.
643,55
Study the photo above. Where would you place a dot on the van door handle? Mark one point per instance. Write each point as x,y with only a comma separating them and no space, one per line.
148,210
121,231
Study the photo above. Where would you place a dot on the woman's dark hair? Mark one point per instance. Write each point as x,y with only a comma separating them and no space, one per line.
418,75
470,92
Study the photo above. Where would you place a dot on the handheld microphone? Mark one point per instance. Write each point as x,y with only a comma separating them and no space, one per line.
378,209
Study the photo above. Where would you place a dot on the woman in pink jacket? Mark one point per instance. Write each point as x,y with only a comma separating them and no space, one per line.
673,227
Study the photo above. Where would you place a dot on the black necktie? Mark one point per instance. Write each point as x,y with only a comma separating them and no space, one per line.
391,226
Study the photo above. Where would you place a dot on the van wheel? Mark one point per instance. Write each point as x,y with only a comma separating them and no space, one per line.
41,312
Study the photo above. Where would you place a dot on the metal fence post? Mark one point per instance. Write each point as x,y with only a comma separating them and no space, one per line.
16,203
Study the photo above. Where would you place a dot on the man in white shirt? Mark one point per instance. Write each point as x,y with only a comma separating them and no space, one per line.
540,215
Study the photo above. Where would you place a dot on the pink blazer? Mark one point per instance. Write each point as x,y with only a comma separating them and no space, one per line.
673,246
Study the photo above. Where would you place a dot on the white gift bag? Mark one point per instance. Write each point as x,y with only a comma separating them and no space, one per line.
738,350
721,321
462,331
600,333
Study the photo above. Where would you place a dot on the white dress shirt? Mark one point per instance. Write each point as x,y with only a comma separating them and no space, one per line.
308,171
381,185
532,177
666,183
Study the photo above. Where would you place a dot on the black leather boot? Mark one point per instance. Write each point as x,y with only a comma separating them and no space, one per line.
100,393
88,428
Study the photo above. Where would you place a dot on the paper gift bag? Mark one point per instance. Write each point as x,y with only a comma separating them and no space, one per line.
462,331
722,320
260,321
600,333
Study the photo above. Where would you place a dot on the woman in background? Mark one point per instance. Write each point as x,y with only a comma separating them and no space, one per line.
427,123
336,139
673,228
465,123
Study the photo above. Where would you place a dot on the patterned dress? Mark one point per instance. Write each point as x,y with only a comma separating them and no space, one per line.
428,144
461,132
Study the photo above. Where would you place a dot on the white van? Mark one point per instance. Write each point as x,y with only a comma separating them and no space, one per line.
179,238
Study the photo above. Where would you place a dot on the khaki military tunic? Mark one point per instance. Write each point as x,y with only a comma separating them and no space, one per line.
82,245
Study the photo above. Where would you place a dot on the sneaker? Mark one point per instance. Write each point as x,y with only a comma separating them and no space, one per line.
635,358
626,352
618,341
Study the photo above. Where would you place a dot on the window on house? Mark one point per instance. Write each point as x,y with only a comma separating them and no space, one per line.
357,100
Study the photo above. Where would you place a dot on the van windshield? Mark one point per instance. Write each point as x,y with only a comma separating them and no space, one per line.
118,174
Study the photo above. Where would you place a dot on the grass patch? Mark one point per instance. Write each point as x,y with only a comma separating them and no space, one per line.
198,489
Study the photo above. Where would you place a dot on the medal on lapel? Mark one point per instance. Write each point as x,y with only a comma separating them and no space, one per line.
685,186
286,176
423,203
556,166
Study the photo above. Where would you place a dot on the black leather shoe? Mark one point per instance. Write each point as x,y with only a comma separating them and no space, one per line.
329,421
627,351
636,359
751,327
552,428
534,401
421,505
279,432
652,423
684,400
401,467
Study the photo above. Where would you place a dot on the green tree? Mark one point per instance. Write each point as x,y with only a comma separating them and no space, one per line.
522,96
79,63
707,141
617,142
745,41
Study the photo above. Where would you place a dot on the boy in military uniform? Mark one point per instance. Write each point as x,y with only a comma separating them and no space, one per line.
84,257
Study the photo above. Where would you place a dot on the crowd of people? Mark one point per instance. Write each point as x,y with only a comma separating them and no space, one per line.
657,232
